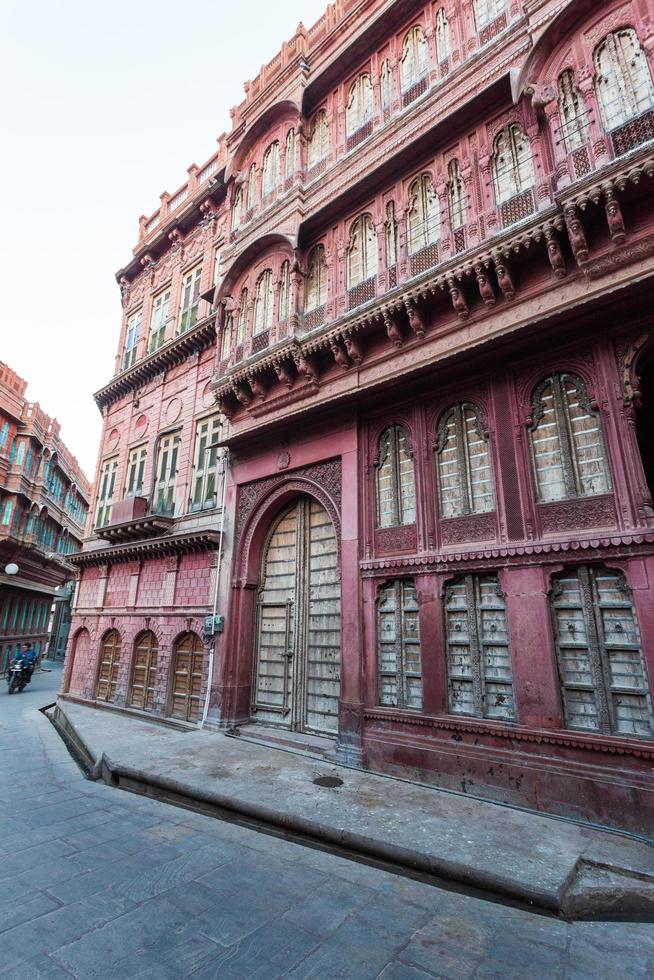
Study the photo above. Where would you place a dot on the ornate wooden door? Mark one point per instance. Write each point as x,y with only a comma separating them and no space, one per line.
145,672
297,664
188,669
109,664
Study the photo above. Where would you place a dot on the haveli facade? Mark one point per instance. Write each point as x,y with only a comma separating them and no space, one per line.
411,297
44,497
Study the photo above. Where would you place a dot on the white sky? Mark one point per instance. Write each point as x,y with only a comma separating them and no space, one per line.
103,107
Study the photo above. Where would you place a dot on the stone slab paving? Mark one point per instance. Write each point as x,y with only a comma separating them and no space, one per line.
95,882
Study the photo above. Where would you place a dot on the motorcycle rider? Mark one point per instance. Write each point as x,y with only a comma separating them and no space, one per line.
30,657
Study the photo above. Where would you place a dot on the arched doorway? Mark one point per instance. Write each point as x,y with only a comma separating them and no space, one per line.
79,665
144,675
109,664
298,624
188,670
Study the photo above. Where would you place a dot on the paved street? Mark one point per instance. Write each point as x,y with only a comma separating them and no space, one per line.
95,882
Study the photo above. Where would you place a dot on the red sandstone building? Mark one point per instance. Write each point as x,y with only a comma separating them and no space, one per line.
43,507
415,287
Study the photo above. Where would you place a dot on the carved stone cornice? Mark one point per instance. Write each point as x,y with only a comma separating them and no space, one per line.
174,544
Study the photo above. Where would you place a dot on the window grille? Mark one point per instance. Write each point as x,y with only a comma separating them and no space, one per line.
270,176
136,471
572,113
443,37
242,318
623,81
390,232
486,11
263,302
603,679
318,140
386,88
362,252
205,466
423,217
131,339
188,316
285,291
456,196
465,475
106,495
396,489
567,445
513,170
164,489
289,162
316,283
359,106
414,61
398,646
480,676
160,308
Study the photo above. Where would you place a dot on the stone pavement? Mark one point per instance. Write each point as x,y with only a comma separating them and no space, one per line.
532,858
95,882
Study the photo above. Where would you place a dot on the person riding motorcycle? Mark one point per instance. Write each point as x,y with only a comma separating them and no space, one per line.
30,656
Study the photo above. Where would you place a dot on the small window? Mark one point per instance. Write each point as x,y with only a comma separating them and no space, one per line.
270,177
423,217
456,196
190,299
160,308
396,489
251,201
414,60
572,113
567,445
132,336
443,37
390,232
106,494
316,284
623,81
242,319
205,466
6,511
289,162
136,471
360,105
465,477
285,291
480,677
513,170
226,337
603,679
318,140
237,209
487,11
362,252
398,646
4,435
217,268
164,488
263,302
386,88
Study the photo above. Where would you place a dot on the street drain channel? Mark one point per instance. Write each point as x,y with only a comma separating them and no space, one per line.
330,782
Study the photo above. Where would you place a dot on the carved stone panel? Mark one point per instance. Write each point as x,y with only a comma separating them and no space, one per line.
589,512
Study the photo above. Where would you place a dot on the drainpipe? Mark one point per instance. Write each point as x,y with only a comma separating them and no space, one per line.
212,648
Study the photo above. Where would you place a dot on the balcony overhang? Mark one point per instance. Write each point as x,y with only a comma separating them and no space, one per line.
143,527
202,335
159,547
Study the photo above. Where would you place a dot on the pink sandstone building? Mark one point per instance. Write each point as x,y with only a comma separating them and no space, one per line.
384,401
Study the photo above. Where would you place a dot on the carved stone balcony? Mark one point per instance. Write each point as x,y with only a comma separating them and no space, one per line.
132,520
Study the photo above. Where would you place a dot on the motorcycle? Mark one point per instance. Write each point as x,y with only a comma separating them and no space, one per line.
18,677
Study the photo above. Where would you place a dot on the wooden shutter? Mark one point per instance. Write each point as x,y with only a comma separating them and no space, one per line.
316,288
398,646
145,672
603,681
456,196
480,679
396,492
188,671
588,454
109,666
623,79
572,112
465,477
323,679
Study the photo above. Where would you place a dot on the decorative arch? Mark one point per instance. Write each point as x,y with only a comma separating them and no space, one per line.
286,111
255,251
80,645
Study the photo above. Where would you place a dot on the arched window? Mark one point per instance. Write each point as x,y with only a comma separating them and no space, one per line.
359,105
188,671
398,646
386,88
252,188
465,476
226,339
284,291
487,11
362,257
396,489
144,677
270,177
242,324
623,81
456,196
567,445
423,217
390,232
601,671
443,37
414,65
480,675
318,140
237,208
316,283
263,302
289,161
513,170
109,665
572,112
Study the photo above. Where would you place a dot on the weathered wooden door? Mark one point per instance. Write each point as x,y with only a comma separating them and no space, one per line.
109,664
297,663
188,668
145,672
